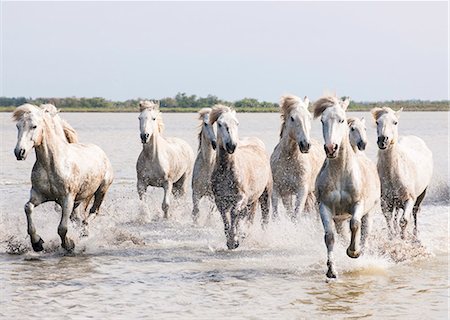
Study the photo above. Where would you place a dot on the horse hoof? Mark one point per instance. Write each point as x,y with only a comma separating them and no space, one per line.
69,245
331,274
38,245
353,254
232,245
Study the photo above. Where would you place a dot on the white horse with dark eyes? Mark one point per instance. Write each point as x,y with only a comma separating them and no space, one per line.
241,177
358,134
296,159
347,186
67,172
405,166
163,162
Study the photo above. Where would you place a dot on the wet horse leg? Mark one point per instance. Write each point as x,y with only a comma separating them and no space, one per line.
327,222
67,208
354,249
275,196
166,201
416,209
406,218
300,202
35,200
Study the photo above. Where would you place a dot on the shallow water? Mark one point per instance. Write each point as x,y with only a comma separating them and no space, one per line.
135,265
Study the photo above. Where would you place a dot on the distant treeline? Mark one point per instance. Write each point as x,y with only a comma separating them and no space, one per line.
189,103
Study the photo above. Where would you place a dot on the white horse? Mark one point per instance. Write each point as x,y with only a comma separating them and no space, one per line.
204,163
296,159
405,166
347,185
241,175
69,173
358,134
163,162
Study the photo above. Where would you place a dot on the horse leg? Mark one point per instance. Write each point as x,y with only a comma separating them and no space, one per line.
327,222
300,202
406,218
195,202
141,188
416,210
35,200
67,207
366,228
233,241
354,249
287,202
387,207
226,223
264,200
275,196
166,201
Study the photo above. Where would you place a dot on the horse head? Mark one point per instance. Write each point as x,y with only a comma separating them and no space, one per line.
296,120
387,129
30,124
206,127
334,124
150,121
227,127
358,134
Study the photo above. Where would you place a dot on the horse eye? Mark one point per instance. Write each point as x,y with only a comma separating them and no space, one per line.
353,129
33,127
292,118
154,119
376,122
395,122
220,126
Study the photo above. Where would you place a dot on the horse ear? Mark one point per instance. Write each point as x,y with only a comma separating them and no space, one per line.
363,121
345,102
306,101
397,113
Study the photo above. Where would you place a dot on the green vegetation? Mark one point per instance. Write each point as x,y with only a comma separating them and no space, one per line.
185,103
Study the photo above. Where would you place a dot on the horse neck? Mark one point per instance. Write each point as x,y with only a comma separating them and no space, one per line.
389,158
344,160
53,145
224,160
152,147
206,150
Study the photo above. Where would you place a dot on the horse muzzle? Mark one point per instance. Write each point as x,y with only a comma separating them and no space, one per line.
382,142
144,137
214,144
361,145
20,154
331,150
304,146
230,147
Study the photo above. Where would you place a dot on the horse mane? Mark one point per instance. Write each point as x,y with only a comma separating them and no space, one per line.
153,106
351,120
202,112
69,132
324,103
23,110
287,104
378,112
217,111
147,104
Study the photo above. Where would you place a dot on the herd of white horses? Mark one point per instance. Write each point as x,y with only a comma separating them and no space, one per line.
336,179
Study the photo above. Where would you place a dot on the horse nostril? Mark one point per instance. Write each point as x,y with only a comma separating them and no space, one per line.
22,153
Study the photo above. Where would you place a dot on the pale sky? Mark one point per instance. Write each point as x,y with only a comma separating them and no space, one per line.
370,51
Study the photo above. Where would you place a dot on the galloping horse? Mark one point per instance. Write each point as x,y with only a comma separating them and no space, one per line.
69,173
163,162
204,163
405,166
296,159
347,186
241,177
